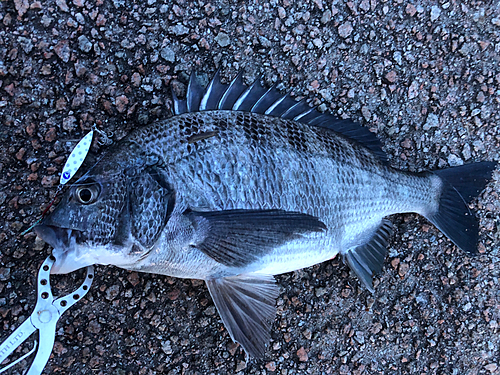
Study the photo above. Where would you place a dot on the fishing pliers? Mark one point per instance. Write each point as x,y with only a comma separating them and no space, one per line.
44,319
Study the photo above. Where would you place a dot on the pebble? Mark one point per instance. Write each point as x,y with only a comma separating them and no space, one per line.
4,273
21,6
411,10
454,160
431,122
435,13
345,29
84,43
179,30
326,17
121,103
302,354
413,90
63,50
223,39
167,54
391,76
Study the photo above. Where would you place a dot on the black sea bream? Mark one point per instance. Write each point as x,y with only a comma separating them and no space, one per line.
244,183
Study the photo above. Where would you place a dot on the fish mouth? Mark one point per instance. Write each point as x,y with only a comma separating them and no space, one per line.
64,241
57,237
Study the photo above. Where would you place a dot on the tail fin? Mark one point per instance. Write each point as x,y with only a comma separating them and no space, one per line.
453,217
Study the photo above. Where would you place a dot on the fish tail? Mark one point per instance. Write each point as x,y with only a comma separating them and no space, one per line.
453,217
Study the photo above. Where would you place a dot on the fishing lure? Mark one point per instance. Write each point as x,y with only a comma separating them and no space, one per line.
72,165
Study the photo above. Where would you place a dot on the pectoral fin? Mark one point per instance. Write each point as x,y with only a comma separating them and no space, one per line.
247,306
236,238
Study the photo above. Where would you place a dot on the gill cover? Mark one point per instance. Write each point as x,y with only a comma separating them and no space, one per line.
151,202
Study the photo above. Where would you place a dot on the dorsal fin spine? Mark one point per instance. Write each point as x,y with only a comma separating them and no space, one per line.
305,113
241,99
275,104
208,91
261,99
257,99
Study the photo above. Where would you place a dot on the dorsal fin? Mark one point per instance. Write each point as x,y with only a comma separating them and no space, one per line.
255,98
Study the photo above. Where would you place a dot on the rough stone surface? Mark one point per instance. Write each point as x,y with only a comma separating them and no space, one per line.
423,75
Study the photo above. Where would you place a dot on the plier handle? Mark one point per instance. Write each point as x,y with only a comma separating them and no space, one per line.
44,318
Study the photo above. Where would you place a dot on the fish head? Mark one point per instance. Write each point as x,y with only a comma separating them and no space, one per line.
92,224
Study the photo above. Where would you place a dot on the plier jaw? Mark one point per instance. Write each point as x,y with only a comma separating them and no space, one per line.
44,318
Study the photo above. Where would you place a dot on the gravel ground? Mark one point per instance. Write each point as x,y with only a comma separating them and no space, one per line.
424,75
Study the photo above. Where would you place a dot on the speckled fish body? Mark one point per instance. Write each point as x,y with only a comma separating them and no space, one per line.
244,183
256,162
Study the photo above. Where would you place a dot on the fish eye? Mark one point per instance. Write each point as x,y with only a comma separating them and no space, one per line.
86,194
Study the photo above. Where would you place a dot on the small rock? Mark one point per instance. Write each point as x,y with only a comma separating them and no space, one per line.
61,104
403,269
133,278
112,292
359,337
101,20
94,326
241,366
26,44
166,347
179,30
79,98
302,354
320,292
345,29
62,50
51,135
168,54
69,123
406,143
84,43
317,42
173,294
223,39
491,367
21,6
391,76
466,152
411,10
435,13
432,121
39,244
413,90
136,79
4,273
454,160
271,366
49,181
121,103
62,5
366,113
80,69
365,5
281,12
263,41
326,17
20,153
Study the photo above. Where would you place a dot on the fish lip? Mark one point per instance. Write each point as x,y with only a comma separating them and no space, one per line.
57,237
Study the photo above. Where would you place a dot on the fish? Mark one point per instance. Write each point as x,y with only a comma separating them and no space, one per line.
241,184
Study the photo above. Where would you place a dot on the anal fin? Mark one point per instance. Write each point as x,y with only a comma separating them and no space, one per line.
247,306
367,260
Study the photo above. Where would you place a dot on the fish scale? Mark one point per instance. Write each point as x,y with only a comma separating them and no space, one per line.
244,183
